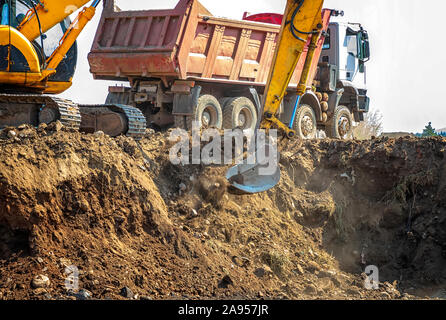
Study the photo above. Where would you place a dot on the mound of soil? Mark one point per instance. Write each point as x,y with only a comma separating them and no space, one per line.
133,225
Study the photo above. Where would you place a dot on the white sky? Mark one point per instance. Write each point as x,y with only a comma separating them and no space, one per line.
404,75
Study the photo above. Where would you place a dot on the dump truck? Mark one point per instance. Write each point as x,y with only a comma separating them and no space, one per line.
185,64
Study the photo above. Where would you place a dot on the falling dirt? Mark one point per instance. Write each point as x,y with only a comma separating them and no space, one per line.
129,221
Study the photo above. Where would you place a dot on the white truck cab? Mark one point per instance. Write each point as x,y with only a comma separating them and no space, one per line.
345,52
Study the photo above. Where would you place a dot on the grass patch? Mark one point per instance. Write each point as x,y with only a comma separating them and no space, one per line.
276,261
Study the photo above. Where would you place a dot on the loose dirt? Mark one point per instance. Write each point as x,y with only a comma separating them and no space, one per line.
121,215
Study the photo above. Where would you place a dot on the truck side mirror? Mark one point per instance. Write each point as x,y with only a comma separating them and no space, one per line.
361,66
366,50
365,46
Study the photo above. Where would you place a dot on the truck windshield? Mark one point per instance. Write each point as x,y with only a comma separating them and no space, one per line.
5,13
351,42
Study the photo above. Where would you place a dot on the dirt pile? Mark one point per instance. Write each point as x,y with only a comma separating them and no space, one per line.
133,224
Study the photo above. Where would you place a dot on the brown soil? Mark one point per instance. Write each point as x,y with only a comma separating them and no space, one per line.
126,217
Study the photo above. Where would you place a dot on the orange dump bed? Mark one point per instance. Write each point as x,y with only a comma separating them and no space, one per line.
187,42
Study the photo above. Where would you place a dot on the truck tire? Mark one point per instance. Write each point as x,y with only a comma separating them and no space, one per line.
341,124
207,112
223,102
239,113
305,123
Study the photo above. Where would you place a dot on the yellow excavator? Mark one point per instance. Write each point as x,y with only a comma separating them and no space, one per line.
302,24
38,56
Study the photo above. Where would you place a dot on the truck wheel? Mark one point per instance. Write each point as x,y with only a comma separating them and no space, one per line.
223,102
341,125
239,113
305,123
207,112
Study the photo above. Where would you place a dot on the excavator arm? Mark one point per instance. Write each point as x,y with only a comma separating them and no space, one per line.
302,23
46,14
302,20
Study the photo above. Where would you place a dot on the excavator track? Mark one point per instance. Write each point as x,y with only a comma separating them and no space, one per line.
47,109
135,120
66,111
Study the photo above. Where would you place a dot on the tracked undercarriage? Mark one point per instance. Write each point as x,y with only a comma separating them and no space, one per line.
112,119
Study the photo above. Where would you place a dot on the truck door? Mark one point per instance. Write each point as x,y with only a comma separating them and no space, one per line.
330,48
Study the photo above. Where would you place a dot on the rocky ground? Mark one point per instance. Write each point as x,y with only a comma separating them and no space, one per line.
135,226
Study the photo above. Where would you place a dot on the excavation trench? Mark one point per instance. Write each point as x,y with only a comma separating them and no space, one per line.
125,216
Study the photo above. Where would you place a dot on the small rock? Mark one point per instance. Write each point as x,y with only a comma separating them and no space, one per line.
39,291
42,126
385,295
260,294
39,260
405,296
326,273
12,134
83,295
299,269
145,298
65,262
58,126
352,291
40,281
99,133
225,282
260,272
182,187
149,132
55,126
126,292
194,213
22,127
313,266
310,289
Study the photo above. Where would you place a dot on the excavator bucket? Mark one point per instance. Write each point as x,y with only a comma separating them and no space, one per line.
246,178
257,177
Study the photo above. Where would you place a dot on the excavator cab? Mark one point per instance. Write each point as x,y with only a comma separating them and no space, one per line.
13,12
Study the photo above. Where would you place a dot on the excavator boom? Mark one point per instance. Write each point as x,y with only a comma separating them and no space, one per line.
302,23
46,14
302,19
